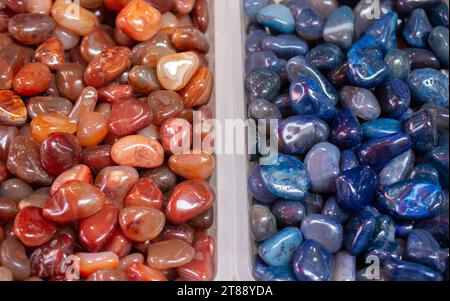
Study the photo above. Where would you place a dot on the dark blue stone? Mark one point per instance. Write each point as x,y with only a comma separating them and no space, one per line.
283,103
438,41
439,15
367,68
429,86
254,41
403,228
257,187
422,130
346,131
283,273
263,59
313,203
308,98
262,83
312,262
422,58
424,249
425,172
263,110
285,46
325,57
297,134
286,178
355,188
277,17
332,208
338,75
349,160
378,151
394,98
405,7
300,66
383,250
259,267
417,29
410,271
309,25
252,7
438,158
384,31
411,200
438,226
279,249
358,232
289,213
441,117
384,228
381,127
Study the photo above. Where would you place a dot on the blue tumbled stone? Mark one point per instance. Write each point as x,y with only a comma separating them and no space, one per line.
289,213
277,17
283,273
283,103
381,127
338,75
263,110
262,83
410,271
285,46
346,131
313,203
325,57
349,160
279,249
378,151
257,187
308,98
425,172
259,268
394,98
309,25
424,249
332,208
383,250
263,59
422,58
429,86
263,223
411,200
286,178
417,29
438,158
384,31
397,169
361,101
358,232
252,7
312,262
339,27
254,40
324,229
384,228
297,134
438,41
355,188
344,267
439,15
422,130
398,63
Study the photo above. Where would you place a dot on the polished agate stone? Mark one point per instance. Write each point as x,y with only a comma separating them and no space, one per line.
193,165
138,151
346,131
263,223
358,231
74,17
13,257
262,110
361,101
325,230
59,152
333,209
417,29
263,59
381,127
12,109
32,79
339,27
422,130
344,267
175,71
408,271
279,249
257,187
40,105
169,254
288,213
429,86
312,262
383,249
31,227
277,17
285,46
252,7
422,58
31,29
426,173
15,189
397,170
384,31
128,116
438,41
262,83
394,98
424,249
399,64
325,56
254,40
141,223
309,25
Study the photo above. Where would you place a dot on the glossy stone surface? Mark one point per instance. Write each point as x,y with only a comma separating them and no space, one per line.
286,178
383,249
422,130
93,262
97,157
46,124
176,135
339,27
344,267
323,165
15,189
69,80
193,166
355,188
74,17
439,15
128,116
92,129
358,231
346,131
31,29
312,262
422,58
277,17
411,199
409,271
288,213
417,29
384,31
309,25
438,41
60,152
424,249
394,98
40,105
51,53
257,187
141,223
333,209
323,229
429,86
201,268
426,173
325,57
12,109
13,257
31,227
199,89
285,46
297,134
263,59
252,7
398,63
279,249
262,83
397,170
138,151
263,223
438,158
175,71
361,101
381,127
169,254
32,79
262,110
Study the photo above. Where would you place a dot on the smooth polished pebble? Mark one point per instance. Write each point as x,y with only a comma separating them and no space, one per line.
429,86
285,46
344,268
263,59
422,129
263,110
384,30
346,132
279,249
439,15
408,271
384,228
325,57
277,17
383,250
252,7
332,208
422,58
325,230
262,83
349,160
257,187
417,29
254,40
399,64
394,98
438,41
312,262
358,231
309,25
397,170
339,27
381,127
361,101
425,172
424,249
263,223
288,213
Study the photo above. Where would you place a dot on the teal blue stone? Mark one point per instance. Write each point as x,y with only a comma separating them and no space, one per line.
409,271
425,172
286,178
381,127
411,200
312,262
438,41
417,29
429,86
424,249
359,231
279,249
252,7
277,17
398,63
384,30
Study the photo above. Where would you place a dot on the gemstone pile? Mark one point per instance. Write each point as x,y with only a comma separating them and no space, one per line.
96,98
361,178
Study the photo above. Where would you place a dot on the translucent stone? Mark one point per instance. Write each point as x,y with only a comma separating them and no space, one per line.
193,165
92,129
59,152
198,90
12,109
140,272
190,39
31,29
69,80
143,80
92,262
15,189
145,193
74,17
169,254
129,116
78,172
68,38
141,223
176,70
138,151
31,227
85,103
176,135
32,79
40,105
46,124
95,42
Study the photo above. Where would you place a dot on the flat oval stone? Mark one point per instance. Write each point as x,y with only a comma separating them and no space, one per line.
325,230
262,83
277,17
193,166
285,46
46,124
13,257
339,27
424,249
333,209
309,25
325,57
263,59
312,262
398,63
47,105
409,271
384,30
286,178
138,151
394,98
358,232
411,199
288,213
344,268
381,127
438,41
169,254
297,134
422,130
355,188
263,223
397,170
140,224
279,249
361,101
323,165
346,131
429,86
15,189
417,29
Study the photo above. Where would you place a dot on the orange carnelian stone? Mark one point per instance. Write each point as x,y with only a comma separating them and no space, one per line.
138,151
92,129
176,135
190,39
51,53
201,268
199,89
145,193
119,244
176,70
92,262
193,166
79,172
31,227
141,272
32,79
72,16
12,109
140,20
46,124
169,254
141,223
